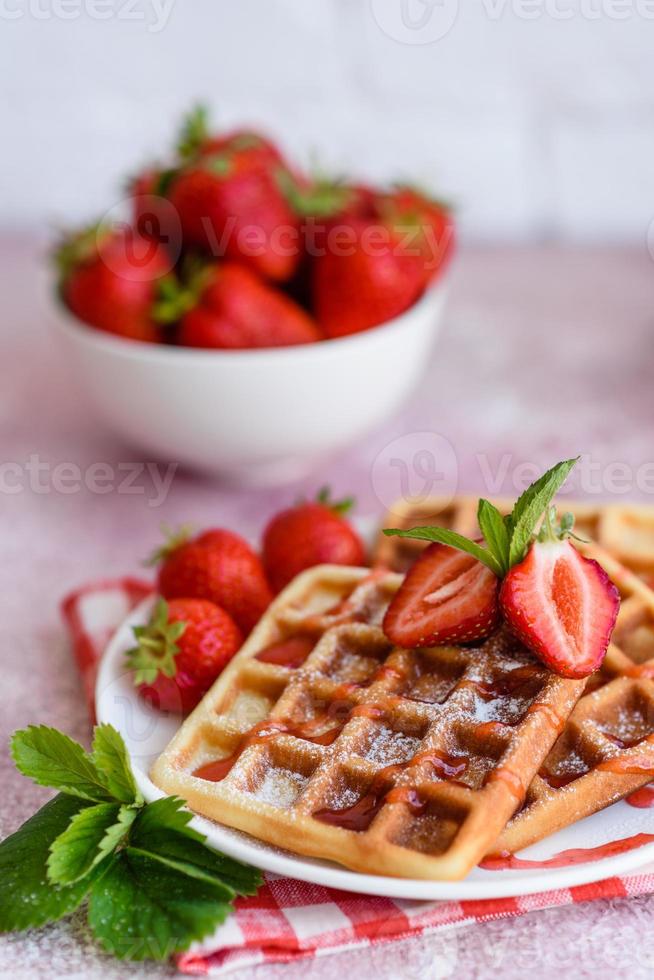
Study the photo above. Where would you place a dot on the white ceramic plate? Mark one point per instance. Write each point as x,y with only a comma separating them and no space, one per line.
146,733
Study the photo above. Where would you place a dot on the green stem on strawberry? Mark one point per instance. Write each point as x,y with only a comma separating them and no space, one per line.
507,538
561,605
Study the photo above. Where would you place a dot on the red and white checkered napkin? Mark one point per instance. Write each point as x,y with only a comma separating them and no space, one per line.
288,919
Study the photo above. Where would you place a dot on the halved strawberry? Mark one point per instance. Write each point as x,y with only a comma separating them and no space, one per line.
562,606
447,597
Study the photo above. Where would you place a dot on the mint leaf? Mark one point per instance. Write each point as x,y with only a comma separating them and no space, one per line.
50,758
113,765
91,835
161,829
141,907
530,507
492,526
443,535
27,897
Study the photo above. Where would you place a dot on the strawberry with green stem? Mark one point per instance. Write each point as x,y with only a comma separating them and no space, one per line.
310,533
181,651
108,279
226,305
560,604
217,565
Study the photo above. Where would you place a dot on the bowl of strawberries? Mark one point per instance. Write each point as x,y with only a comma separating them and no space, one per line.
248,319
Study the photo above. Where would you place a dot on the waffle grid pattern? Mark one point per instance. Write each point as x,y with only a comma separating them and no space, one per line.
615,718
433,750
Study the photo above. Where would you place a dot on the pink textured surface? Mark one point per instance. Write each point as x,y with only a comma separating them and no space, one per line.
544,353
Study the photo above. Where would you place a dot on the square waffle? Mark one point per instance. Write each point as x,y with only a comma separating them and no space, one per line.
625,531
606,750
323,738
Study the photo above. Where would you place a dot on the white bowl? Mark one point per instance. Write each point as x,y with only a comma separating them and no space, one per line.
253,415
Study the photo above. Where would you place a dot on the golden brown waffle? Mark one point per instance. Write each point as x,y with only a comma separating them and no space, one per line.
606,750
626,531
389,761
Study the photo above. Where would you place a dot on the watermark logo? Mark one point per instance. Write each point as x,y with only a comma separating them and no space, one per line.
154,14
415,21
39,476
413,468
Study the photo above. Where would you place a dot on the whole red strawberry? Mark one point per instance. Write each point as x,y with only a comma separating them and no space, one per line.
196,140
364,276
181,652
217,565
427,223
236,309
229,197
108,280
309,534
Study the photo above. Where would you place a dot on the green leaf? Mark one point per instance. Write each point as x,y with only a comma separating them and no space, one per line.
113,765
91,835
444,535
50,758
492,526
531,505
142,907
162,828
27,897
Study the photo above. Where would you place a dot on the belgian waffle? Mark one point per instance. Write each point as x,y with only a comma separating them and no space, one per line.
322,738
606,750
625,531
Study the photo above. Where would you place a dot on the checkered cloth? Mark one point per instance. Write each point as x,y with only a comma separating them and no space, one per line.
290,920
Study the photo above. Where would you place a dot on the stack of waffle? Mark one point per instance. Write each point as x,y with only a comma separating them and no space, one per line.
323,738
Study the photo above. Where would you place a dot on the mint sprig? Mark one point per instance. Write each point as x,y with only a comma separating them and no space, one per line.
506,538
152,884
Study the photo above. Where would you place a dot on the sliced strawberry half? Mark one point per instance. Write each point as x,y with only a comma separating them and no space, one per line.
562,606
447,597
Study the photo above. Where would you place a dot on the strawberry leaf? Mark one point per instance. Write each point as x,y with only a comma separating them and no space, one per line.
443,535
113,765
530,506
492,526
143,907
51,758
162,828
91,836
27,897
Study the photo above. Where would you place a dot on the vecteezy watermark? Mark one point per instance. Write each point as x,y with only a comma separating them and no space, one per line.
422,465
155,14
415,21
150,480
427,21
414,467
157,222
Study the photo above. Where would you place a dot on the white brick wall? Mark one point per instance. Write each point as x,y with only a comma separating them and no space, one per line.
538,124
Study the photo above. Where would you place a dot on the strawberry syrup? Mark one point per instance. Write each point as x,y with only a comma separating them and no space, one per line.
643,798
579,855
290,653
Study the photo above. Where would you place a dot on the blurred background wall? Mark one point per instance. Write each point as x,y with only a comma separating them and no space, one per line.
535,116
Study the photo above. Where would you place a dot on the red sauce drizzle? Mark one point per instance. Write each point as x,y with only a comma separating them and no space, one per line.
642,798
410,796
357,817
549,714
290,653
217,770
631,764
506,684
580,855
446,766
510,779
